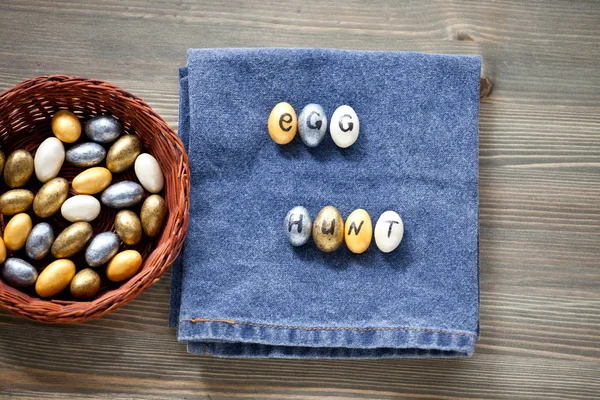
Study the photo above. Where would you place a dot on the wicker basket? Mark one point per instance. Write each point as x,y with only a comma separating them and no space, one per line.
25,121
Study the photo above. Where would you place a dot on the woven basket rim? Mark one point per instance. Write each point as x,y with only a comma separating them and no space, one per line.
170,242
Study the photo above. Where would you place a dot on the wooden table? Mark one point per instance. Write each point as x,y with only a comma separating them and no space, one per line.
540,195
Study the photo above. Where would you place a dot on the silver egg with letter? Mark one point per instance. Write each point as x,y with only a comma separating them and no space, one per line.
40,240
102,248
123,194
312,124
19,273
103,129
297,226
86,154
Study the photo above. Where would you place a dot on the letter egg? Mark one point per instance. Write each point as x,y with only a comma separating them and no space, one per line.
388,231
283,123
297,226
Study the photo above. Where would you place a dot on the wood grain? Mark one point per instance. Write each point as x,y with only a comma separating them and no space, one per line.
539,195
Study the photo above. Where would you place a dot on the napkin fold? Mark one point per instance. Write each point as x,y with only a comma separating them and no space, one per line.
240,289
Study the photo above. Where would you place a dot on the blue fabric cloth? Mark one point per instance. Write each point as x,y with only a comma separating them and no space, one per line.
241,290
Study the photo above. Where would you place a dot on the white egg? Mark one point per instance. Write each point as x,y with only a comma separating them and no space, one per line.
344,127
389,231
81,208
49,159
149,173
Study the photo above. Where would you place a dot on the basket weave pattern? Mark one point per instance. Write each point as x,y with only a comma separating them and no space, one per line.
26,112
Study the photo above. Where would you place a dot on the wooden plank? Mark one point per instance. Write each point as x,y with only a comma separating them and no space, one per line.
539,195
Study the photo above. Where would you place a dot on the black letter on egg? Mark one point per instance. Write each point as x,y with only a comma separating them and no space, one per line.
350,123
356,230
318,123
391,222
297,222
287,118
331,229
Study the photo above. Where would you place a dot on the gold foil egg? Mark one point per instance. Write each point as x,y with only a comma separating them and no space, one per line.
15,201
16,231
124,265
50,197
92,181
85,284
153,215
66,126
328,229
128,227
358,231
18,168
283,123
123,152
72,240
2,251
2,162
55,278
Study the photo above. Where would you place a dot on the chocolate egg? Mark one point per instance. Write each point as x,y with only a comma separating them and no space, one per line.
123,153
19,273
15,201
81,208
128,227
2,251
50,197
66,126
16,231
103,129
122,194
39,241
55,278
92,181
328,229
124,265
18,168
101,249
85,284
72,240
86,154
153,215
49,158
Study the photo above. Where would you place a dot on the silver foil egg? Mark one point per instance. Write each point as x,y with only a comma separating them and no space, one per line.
122,194
297,226
102,248
19,273
103,129
39,241
86,154
312,124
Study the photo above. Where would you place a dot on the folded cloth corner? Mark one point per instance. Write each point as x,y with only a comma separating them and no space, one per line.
241,290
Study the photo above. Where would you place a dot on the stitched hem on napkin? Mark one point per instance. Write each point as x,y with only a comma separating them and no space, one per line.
232,338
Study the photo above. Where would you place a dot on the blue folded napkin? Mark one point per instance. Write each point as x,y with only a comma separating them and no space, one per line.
240,289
